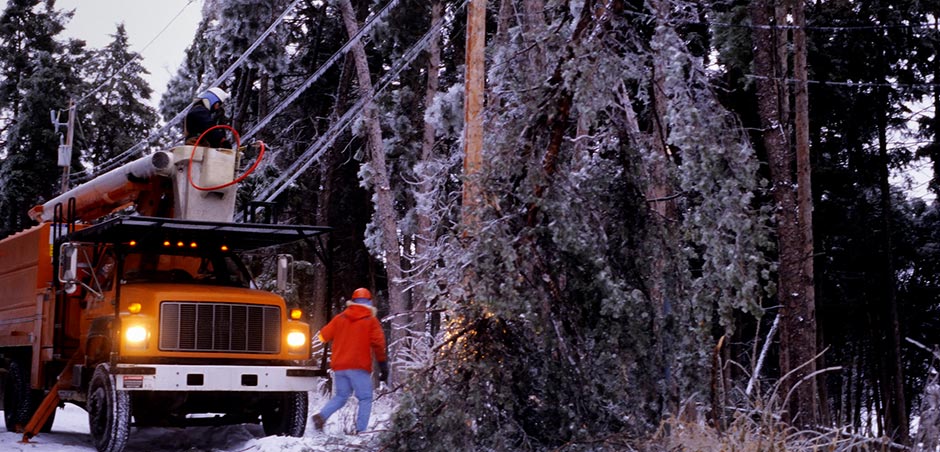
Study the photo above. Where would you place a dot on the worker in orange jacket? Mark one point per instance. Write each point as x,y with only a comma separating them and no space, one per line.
357,337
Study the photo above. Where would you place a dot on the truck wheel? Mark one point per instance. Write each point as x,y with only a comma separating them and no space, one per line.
17,397
285,415
109,412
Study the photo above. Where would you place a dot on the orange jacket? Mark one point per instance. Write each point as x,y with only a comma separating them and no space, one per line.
357,336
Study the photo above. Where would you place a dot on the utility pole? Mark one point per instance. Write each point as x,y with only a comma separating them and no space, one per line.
473,113
65,150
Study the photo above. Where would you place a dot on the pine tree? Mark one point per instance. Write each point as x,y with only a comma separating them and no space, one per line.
115,117
556,338
375,174
24,33
798,321
39,73
851,130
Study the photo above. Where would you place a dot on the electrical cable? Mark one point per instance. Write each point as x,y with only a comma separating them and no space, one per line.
367,27
272,190
244,56
142,50
120,158
313,153
115,161
238,142
830,28
847,84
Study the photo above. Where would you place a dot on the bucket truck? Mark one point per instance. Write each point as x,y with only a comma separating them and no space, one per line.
150,318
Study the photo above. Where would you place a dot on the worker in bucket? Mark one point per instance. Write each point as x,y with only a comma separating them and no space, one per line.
357,338
208,110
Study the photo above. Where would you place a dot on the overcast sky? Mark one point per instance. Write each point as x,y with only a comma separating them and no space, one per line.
95,20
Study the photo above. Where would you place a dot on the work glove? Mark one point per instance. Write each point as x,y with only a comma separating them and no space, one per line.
383,371
254,147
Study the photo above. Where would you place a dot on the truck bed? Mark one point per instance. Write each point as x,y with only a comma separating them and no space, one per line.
25,278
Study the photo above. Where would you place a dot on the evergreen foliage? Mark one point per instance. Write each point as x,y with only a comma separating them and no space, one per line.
625,227
557,337
39,74
116,117
850,126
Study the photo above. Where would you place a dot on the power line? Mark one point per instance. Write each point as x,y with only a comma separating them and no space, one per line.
849,84
374,20
272,190
115,161
830,28
820,27
120,158
322,69
244,56
142,50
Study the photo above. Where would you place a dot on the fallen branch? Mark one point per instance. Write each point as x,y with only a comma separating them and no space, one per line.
763,355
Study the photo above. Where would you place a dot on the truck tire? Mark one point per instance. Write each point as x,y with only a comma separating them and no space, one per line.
109,412
285,415
17,397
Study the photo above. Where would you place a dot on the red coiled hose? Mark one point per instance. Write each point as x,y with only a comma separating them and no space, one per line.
237,144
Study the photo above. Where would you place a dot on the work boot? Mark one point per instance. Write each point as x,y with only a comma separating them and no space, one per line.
318,422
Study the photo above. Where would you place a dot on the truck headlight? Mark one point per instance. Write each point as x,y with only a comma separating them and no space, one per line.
296,339
136,335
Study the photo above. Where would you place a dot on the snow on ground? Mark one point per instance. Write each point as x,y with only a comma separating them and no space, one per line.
70,434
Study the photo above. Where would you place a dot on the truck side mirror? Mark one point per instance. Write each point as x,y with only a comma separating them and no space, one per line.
68,266
285,272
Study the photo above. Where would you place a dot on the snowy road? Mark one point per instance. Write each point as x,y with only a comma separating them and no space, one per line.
70,434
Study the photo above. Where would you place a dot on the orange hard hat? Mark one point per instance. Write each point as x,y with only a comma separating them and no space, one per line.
362,292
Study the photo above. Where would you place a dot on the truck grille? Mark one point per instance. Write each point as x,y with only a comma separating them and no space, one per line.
219,327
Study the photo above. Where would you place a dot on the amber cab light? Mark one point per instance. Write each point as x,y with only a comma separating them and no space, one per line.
133,243
295,314
134,308
224,247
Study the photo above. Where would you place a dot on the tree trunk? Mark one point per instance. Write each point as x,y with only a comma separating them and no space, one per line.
385,216
473,114
324,275
857,397
503,22
935,147
807,306
896,422
426,235
533,22
242,95
798,322
664,216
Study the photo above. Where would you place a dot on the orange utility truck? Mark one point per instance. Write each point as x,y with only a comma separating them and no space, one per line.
150,318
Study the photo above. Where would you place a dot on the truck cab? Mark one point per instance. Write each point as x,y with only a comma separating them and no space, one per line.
173,331
151,318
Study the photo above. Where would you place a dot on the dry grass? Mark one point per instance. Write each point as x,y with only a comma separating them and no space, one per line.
758,431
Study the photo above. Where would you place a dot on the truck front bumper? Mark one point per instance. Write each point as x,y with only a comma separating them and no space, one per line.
172,377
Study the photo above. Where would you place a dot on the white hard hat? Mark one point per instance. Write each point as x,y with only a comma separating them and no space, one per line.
214,95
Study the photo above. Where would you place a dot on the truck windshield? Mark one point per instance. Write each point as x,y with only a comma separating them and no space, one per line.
216,269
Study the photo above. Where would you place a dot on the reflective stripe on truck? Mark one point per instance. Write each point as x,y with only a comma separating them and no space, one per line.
172,377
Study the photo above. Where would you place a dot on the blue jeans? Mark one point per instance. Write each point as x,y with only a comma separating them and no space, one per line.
345,382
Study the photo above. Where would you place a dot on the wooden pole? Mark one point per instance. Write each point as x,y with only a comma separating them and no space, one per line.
473,113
